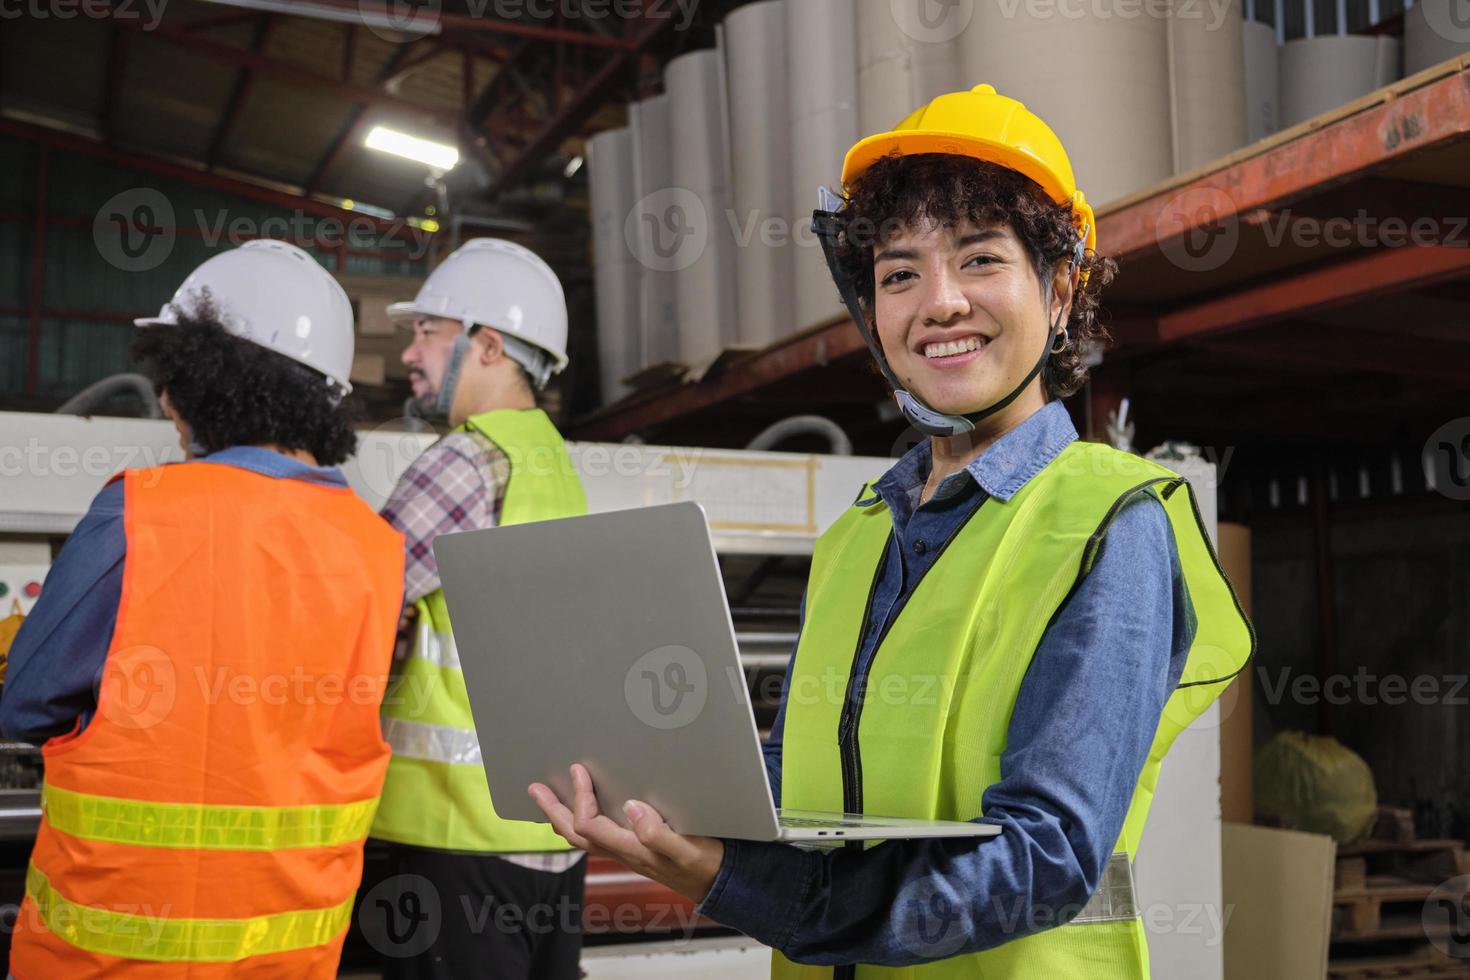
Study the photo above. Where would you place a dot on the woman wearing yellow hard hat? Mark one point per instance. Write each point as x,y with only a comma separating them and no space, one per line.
1022,622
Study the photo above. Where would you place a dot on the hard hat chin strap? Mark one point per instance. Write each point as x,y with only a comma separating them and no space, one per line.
451,375
828,227
537,364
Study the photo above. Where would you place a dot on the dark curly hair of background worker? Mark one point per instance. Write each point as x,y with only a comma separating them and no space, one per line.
231,392
898,192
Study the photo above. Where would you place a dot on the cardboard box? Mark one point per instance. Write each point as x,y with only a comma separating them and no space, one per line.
1278,903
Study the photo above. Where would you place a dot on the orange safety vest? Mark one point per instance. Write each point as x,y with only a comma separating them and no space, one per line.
209,821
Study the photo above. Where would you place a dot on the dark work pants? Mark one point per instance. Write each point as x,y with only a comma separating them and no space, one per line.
441,915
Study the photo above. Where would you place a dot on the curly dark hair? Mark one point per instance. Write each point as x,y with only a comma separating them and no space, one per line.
232,392
900,191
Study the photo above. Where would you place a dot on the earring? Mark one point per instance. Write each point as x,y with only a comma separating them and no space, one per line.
1064,339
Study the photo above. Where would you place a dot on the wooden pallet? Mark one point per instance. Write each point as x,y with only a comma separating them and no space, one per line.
1424,963
1381,885
1386,907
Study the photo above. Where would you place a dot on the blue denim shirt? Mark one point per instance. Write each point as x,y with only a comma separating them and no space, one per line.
57,658
1083,722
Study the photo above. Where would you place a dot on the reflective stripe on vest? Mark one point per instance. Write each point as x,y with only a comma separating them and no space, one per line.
224,828
235,813
1114,899
436,794
432,743
927,740
169,940
436,646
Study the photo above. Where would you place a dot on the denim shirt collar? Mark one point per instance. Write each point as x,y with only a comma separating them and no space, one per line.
1001,471
268,462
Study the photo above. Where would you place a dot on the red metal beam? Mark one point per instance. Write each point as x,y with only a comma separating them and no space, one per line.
596,91
244,80
214,181
487,99
466,79
347,135
814,348
1363,277
38,272
221,20
242,58
349,50
428,51
478,24
117,56
1435,113
1315,348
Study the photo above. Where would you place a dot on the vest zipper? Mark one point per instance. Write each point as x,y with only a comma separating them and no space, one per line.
847,736
847,745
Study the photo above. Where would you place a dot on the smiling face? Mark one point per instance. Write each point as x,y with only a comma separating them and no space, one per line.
961,314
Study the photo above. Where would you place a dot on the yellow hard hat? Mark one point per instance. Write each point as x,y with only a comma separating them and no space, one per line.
987,126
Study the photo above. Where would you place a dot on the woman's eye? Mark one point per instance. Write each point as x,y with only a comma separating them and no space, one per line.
896,278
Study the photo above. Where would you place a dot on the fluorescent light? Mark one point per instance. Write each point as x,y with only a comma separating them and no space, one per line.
357,14
439,156
573,165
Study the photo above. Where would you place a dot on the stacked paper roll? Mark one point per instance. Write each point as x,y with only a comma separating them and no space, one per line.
1319,74
904,60
821,91
616,272
1434,31
1100,80
760,156
648,232
1207,66
1262,81
704,275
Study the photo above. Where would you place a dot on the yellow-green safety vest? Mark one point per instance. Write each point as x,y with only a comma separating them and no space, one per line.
435,794
927,740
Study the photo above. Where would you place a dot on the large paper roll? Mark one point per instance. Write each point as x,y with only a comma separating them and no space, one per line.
760,152
1262,81
820,39
1434,31
704,274
904,60
1207,59
611,182
1100,80
648,230
1318,74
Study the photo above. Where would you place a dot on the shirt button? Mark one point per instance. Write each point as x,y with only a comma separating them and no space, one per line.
920,547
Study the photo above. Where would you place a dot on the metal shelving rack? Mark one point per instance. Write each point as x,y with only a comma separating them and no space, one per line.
1223,297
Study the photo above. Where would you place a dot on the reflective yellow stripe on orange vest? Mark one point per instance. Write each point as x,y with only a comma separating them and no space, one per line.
149,937
221,828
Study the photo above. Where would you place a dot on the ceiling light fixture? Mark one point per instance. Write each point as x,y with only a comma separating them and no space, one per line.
437,156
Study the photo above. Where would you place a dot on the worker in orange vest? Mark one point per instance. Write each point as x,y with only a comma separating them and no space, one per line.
207,658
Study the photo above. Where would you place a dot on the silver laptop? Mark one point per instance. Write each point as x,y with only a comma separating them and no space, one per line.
606,640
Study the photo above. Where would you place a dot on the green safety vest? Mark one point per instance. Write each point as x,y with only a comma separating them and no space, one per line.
928,739
435,794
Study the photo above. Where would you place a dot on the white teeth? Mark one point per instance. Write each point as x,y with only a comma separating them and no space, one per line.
950,348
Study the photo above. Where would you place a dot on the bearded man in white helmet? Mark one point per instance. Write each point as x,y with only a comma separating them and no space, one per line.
489,328
189,769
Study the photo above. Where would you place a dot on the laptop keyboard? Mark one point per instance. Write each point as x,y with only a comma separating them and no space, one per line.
809,822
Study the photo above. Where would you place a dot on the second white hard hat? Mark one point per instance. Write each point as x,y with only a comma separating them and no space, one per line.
499,284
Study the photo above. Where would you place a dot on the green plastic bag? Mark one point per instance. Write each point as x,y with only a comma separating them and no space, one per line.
1314,783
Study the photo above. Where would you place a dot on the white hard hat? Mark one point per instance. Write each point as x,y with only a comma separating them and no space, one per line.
495,283
276,295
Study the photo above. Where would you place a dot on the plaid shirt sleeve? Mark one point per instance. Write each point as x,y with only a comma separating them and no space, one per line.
452,486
